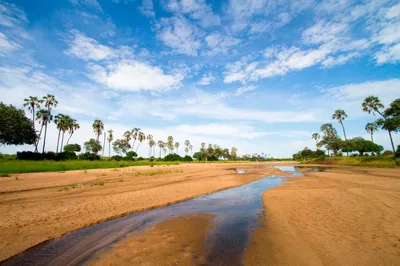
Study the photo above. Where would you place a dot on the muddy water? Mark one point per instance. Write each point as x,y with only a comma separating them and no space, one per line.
236,213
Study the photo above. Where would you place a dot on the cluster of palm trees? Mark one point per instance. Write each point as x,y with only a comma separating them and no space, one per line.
371,104
41,110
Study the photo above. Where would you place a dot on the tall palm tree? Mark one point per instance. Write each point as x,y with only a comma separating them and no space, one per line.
186,150
170,143
134,134
150,142
104,144
177,147
191,149
165,150
340,115
63,123
44,118
73,126
161,145
32,103
58,120
98,127
141,137
110,139
49,102
371,128
187,143
128,135
316,137
372,104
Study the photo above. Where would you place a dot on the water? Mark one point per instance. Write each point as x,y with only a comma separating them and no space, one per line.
236,213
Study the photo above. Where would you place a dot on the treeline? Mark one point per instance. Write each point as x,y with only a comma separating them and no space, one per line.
389,120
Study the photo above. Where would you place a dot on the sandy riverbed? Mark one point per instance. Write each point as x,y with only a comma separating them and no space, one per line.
342,216
42,206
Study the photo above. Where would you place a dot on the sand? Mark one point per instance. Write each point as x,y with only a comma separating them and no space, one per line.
343,216
42,206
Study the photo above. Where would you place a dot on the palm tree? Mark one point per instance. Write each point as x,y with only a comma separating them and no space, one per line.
186,150
73,126
134,132
104,144
49,102
170,143
316,137
187,143
44,117
110,139
128,135
328,131
371,128
340,115
63,123
141,138
150,141
32,103
98,127
191,149
177,147
372,104
165,150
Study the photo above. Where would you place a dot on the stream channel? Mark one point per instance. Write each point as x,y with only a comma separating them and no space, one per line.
236,213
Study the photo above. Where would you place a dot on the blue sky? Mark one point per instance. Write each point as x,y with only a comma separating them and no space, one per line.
259,75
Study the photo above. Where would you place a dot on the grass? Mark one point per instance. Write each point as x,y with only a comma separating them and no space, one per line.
158,172
98,183
18,166
372,161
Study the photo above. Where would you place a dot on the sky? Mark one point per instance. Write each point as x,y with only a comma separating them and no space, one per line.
260,75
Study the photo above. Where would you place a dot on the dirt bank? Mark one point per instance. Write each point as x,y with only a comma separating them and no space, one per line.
42,206
342,216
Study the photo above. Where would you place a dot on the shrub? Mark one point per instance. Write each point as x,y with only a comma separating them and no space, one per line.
387,153
172,157
7,157
72,148
116,157
187,158
140,159
62,156
89,156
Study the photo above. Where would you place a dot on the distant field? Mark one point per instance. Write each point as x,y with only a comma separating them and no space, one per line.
373,161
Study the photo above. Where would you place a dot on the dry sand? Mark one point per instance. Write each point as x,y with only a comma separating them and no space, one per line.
343,216
43,206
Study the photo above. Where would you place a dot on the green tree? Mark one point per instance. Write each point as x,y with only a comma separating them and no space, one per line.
92,146
371,128
372,104
170,143
234,152
340,115
110,138
121,146
33,103
49,102
16,128
72,148
44,117
316,137
330,139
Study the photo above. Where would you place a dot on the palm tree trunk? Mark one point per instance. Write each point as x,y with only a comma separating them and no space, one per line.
58,139
62,142
344,131
160,152
33,123
104,144
70,135
44,139
37,142
133,145
137,147
391,142
109,149
372,137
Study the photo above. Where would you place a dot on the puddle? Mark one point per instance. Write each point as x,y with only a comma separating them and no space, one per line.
236,213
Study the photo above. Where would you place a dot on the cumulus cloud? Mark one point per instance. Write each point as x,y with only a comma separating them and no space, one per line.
220,44
207,79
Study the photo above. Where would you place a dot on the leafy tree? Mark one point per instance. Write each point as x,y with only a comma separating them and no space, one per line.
49,102
361,146
372,104
340,115
32,103
121,146
234,152
92,146
110,138
130,155
72,148
16,128
198,155
371,128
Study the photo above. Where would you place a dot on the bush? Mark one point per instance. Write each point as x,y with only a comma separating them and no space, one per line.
398,152
8,157
387,153
140,159
62,156
187,158
116,157
151,159
172,157
130,156
89,156
72,148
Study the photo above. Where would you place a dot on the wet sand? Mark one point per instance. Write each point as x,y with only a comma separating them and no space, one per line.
43,206
342,216
177,241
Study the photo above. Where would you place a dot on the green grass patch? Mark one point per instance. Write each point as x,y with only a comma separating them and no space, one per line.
372,161
158,172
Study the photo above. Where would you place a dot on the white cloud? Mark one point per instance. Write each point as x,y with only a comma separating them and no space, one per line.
87,49
132,75
195,9
220,44
11,15
6,45
207,79
180,35
388,55
91,3
147,8
244,89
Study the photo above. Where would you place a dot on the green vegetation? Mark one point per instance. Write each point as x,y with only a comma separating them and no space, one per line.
372,161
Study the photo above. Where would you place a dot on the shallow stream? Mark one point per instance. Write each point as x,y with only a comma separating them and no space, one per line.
236,213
